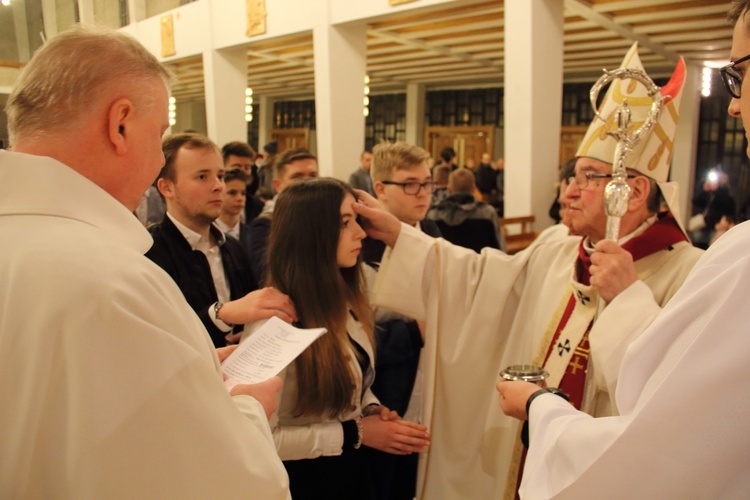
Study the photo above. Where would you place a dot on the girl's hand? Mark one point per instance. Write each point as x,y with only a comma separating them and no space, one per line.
398,437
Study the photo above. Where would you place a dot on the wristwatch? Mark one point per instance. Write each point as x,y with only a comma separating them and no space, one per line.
547,390
217,308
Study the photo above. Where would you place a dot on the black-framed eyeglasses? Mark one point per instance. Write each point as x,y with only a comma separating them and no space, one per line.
581,179
732,78
413,188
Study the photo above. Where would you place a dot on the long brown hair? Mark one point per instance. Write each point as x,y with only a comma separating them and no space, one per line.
305,231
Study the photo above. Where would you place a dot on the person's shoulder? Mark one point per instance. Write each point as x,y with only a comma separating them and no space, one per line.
102,265
235,246
156,230
167,239
485,210
548,250
261,223
164,230
430,228
231,242
255,201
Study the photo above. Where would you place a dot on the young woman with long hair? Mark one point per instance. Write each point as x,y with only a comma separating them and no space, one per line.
327,413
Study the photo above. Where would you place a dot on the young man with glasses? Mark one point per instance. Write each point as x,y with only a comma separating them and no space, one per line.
404,187
571,305
683,385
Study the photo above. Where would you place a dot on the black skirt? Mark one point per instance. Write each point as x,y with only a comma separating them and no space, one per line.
342,477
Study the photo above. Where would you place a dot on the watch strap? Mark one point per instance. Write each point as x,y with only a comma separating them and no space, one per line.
525,427
546,390
217,307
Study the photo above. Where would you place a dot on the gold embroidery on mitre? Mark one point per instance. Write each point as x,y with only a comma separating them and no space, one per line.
654,161
665,143
608,126
673,111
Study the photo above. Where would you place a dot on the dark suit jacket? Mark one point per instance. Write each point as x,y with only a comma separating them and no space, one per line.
259,230
245,239
191,272
361,180
253,208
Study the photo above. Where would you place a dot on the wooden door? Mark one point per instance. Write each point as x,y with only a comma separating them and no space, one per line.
290,138
468,142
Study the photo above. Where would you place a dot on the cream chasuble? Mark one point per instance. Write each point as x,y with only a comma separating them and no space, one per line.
484,312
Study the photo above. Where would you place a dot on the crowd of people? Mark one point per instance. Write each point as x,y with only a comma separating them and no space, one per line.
133,264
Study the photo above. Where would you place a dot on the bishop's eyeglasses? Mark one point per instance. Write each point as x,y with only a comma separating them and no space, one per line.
732,78
413,188
581,179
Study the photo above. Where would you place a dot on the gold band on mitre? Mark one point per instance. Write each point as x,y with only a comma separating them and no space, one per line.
653,154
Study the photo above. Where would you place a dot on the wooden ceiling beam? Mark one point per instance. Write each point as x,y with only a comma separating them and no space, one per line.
719,11
294,61
433,48
606,21
631,4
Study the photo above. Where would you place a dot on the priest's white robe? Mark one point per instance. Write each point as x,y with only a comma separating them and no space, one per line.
484,312
683,395
109,384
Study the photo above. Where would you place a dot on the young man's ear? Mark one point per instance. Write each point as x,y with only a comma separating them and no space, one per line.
165,187
379,189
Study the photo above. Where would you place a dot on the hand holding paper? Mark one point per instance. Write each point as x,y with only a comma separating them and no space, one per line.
263,392
267,351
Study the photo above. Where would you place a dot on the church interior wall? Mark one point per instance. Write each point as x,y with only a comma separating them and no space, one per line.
204,25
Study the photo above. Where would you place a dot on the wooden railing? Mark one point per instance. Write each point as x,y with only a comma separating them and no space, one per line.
516,241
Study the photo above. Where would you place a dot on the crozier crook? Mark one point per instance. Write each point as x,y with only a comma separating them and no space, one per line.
617,191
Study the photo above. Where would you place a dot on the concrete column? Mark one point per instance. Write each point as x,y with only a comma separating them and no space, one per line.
533,104
265,121
340,67
49,14
22,31
190,116
225,77
415,97
684,154
86,11
136,10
